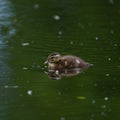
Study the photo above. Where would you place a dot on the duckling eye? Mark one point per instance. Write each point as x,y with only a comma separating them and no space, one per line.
51,59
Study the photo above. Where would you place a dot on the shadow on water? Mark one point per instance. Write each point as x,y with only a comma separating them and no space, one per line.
6,32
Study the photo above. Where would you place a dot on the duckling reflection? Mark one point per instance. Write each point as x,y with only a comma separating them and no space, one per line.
58,74
67,65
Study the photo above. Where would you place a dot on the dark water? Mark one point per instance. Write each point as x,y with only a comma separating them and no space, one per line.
30,30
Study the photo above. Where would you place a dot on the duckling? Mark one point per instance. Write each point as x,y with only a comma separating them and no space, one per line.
56,62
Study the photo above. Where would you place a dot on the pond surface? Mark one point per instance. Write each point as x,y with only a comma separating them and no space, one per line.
30,31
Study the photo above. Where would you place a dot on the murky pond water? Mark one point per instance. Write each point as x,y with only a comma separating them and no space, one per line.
30,31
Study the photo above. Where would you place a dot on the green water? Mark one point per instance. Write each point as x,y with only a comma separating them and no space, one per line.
30,31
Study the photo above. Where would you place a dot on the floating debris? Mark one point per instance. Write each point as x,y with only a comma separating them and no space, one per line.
106,98
107,75
81,44
56,17
95,85
81,26
60,33
96,38
29,92
93,101
7,86
112,31
109,59
103,106
111,1
71,42
36,6
115,45
81,97
25,68
62,118
25,44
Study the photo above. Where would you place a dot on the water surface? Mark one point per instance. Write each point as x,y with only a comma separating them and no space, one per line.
30,31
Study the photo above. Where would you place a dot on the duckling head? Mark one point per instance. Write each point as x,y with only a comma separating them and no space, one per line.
53,58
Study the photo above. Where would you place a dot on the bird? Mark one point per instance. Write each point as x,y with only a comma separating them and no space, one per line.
56,61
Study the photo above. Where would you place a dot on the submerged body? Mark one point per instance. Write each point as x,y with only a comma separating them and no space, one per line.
56,61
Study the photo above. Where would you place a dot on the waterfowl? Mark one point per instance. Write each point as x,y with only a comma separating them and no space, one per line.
56,62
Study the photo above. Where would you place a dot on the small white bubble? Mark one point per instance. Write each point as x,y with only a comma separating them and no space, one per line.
112,31
29,92
25,44
95,84
81,26
109,59
15,86
96,38
6,86
25,68
93,101
109,110
59,93
106,98
36,6
107,74
103,113
115,45
62,118
56,17
60,33
111,1
71,42
103,106
81,44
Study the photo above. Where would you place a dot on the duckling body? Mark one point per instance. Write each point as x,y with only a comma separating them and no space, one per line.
56,61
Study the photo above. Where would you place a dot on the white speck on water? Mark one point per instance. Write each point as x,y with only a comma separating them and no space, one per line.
71,42
112,31
25,68
15,86
109,59
93,101
62,118
106,98
96,38
6,86
103,114
109,110
95,84
81,26
115,45
60,33
107,75
103,106
81,44
29,92
111,1
45,66
36,6
59,93
56,17
25,44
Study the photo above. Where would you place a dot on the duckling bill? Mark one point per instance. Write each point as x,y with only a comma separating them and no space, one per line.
56,62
